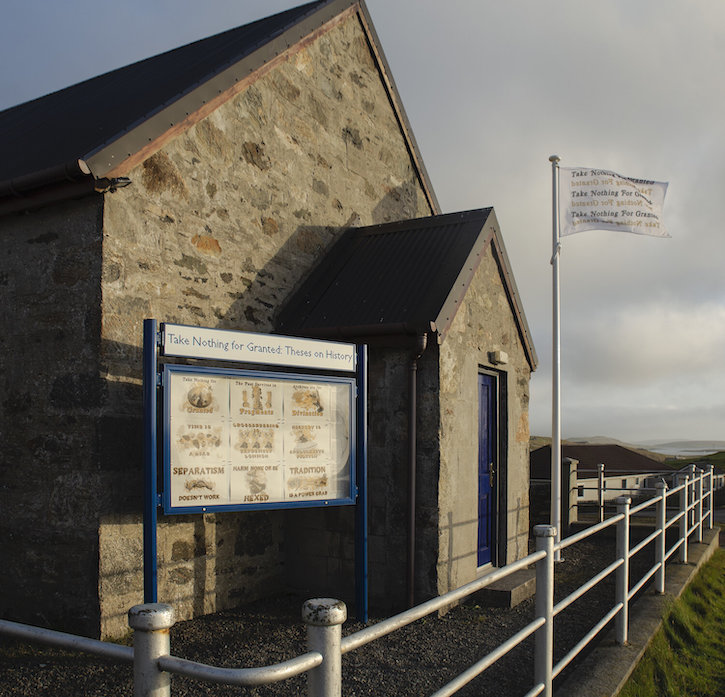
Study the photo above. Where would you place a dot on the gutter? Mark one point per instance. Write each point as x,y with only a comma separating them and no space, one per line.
73,171
72,180
389,334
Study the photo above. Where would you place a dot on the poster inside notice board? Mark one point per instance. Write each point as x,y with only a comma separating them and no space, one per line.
243,439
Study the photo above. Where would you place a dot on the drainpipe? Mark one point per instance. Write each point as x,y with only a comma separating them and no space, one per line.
421,344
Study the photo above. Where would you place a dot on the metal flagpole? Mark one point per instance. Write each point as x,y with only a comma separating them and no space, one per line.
556,363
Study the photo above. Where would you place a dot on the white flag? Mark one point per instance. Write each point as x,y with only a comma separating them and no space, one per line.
597,199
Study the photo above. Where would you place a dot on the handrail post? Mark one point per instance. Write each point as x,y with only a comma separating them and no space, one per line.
600,490
698,506
324,618
151,639
711,496
622,582
660,546
544,642
684,480
692,501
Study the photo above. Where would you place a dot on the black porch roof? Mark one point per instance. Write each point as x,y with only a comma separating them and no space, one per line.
395,280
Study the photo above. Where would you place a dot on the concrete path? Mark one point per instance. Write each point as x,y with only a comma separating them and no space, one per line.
605,670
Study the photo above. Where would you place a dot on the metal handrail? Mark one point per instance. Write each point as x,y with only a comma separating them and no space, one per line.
585,587
564,662
536,690
645,504
488,660
106,649
674,519
674,548
643,581
153,661
263,675
644,543
365,636
588,532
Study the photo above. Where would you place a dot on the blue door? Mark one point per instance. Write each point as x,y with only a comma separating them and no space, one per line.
486,465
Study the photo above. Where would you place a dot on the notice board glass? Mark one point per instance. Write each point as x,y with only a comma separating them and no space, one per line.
236,439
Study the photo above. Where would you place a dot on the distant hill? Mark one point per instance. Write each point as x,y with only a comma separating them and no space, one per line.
589,440
601,440
686,448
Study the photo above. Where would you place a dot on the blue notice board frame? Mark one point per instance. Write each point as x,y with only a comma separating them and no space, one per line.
170,370
356,375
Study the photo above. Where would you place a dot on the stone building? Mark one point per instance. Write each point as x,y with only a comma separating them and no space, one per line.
202,187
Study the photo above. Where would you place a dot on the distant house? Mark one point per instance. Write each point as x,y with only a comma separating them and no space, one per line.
265,179
626,472
616,458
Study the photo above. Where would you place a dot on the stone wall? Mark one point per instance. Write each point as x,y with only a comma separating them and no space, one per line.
50,402
388,474
215,230
483,323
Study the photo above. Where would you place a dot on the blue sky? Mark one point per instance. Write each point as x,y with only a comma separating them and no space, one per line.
491,90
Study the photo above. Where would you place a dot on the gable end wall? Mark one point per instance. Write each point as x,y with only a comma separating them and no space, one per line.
483,323
216,230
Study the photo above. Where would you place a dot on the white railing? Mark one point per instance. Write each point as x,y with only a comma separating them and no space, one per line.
153,663
601,490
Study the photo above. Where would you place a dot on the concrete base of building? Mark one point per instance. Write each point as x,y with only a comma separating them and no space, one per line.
509,591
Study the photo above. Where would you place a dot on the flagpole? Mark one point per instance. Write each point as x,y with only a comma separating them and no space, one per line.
556,362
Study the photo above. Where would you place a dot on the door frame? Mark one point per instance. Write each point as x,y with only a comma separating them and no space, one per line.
499,491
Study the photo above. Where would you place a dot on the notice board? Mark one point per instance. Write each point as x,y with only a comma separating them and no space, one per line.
250,439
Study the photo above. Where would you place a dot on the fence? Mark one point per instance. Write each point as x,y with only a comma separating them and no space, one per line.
153,663
598,493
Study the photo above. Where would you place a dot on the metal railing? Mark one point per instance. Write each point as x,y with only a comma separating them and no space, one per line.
604,485
153,663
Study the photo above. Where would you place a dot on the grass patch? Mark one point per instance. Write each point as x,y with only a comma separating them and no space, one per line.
685,658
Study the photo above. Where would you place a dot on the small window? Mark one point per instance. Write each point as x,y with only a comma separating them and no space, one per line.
624,484
580,491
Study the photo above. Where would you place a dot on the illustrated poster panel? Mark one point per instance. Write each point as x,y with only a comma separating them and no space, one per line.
199,438
239,440
317,455
257,473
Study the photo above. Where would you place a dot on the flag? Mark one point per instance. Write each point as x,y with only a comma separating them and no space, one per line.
597,199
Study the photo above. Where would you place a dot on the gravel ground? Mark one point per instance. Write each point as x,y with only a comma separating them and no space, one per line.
414,661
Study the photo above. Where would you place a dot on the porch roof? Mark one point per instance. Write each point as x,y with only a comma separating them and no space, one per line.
386,283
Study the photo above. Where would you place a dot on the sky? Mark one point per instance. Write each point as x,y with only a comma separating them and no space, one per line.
492,89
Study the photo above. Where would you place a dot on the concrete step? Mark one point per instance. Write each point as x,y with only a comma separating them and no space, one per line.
508,592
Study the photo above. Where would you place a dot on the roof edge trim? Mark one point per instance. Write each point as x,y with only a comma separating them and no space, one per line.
453,301
373,333
397,105
127,149
514,298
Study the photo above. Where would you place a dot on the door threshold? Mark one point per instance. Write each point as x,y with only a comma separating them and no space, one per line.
485,569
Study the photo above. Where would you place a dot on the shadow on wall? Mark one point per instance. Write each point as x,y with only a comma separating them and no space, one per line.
266,290
226,559
465,529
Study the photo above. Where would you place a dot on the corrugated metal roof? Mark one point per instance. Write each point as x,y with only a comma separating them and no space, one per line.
105,125
74,122
395,279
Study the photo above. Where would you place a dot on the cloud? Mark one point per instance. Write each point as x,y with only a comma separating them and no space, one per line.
645,343
491,90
